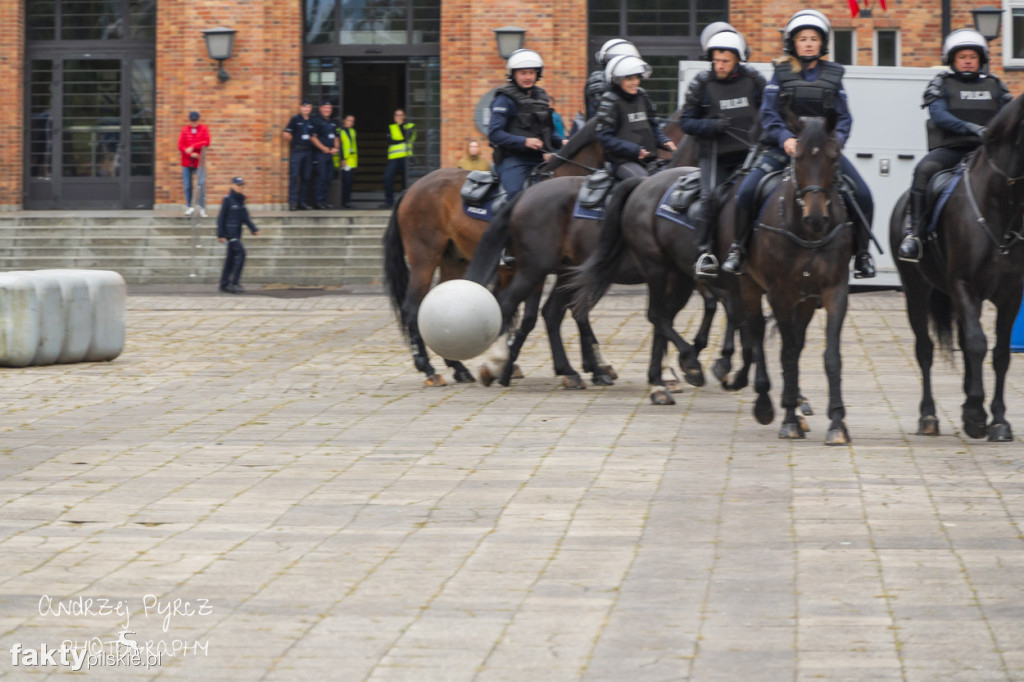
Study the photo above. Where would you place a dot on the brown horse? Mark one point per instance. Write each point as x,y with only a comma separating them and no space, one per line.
429,231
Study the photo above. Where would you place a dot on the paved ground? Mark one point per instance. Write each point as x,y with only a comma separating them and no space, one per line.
277,464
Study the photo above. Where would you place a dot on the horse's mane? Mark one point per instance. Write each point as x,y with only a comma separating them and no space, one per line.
1005,122
584,136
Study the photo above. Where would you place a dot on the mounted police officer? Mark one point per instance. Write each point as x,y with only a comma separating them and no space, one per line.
521,129
626,125
596,85
721,109
812,87
960,104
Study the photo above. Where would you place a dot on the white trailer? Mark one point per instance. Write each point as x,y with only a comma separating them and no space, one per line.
887,140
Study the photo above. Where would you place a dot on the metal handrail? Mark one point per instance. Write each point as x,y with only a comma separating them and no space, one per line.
194,215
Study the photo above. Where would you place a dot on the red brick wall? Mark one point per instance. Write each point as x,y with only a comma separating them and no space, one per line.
12,104
470,65
247,113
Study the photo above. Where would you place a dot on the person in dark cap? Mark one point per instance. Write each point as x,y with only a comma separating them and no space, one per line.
326,143
193,139
299,132
233,215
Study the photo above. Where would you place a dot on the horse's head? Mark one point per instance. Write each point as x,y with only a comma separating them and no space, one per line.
815,168
1004,139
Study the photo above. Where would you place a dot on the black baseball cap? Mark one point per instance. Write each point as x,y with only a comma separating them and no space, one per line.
193,115
237,180
306,101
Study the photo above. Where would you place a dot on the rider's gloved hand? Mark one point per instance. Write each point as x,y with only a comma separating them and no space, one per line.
976,129
722,124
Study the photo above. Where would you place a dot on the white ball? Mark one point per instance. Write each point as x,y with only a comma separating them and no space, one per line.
459,319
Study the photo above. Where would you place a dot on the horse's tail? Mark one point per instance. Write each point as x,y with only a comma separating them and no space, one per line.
940,312
488,250
592,279
396,271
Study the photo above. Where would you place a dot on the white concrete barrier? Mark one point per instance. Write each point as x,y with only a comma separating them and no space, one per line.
63,315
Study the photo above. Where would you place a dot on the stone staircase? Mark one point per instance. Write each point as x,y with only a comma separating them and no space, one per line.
306,247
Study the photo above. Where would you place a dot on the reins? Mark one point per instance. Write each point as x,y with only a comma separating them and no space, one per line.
1009,240
799,193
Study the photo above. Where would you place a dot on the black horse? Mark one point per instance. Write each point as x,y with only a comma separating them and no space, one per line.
800,256
975,256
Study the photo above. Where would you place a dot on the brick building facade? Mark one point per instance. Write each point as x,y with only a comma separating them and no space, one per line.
443,70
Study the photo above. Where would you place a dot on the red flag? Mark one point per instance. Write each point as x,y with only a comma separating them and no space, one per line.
855,8
882,3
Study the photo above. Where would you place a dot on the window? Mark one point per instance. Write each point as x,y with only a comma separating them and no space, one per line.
887,48
91,20
1013,33
380,22
844,46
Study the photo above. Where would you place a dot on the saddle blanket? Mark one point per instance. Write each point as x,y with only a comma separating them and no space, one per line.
666,211
485,212
579,211
940,202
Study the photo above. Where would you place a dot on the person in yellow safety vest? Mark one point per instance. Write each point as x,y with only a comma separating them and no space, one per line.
401,135
348,159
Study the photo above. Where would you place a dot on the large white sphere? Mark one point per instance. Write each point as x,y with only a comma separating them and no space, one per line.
459,319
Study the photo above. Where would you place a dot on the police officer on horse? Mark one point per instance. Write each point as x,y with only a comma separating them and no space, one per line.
626,124
521,128
721,108
596,85
960,103
812,87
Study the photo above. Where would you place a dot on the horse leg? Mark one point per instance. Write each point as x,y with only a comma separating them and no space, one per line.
836,301
764,413
601,371
553,312
677,294
700,341
656,294
509,298
974,346
419,284
918,294
792,321
999,430
529,321
723,365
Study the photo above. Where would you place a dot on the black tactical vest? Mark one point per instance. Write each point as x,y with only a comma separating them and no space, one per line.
634,126
534,116
738,100
592,92
810,98
975,101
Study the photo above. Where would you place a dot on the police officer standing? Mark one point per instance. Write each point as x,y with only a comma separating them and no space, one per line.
721,109
326,143
401,135
960,104
300,132
596,85
521,128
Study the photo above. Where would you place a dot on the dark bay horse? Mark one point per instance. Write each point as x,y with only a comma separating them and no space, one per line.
800,256
976,256
429,231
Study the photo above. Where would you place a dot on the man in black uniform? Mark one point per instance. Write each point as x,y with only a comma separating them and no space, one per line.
596,86
299,132
326,142
233,214
960,104
721,109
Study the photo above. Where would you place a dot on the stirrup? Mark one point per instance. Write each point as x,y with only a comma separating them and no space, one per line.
910,249
707,265
506,260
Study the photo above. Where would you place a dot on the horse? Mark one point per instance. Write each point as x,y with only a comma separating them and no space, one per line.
976,255
800,257
428,231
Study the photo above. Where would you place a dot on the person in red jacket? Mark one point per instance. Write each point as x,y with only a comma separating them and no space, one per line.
194,136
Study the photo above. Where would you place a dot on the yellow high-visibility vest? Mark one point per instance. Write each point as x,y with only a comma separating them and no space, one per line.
402,137
349,151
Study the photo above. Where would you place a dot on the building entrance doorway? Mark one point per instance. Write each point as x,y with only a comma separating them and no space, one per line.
371,91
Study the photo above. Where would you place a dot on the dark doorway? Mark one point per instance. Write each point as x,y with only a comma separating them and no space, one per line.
371,91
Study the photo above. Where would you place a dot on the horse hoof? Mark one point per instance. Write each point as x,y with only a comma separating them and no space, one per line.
721,369
999,432
610,371
805,407
694,375
486,377
517,373
573,383
804,426
975,429
928,425
434,380
673,386
764,413
736,385
464,376
791,431
837,436
659,396
603,380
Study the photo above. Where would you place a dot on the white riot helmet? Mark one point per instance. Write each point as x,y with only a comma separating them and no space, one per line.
728,40
614,48
807,18
711,29
625,65
962,39
523,59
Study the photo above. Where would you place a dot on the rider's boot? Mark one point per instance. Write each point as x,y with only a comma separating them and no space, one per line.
707,263
734,261
910,248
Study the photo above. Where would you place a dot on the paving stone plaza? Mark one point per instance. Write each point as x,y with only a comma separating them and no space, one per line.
261,488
